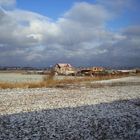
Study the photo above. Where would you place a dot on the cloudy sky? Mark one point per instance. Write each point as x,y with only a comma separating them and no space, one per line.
80,32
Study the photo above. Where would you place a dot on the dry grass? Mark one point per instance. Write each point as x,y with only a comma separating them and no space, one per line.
49,81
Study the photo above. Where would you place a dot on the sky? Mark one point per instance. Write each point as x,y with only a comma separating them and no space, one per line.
41,33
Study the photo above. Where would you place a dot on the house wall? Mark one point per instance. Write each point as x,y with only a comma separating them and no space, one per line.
63,70
97,69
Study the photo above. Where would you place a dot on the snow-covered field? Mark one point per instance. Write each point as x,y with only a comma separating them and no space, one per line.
111,112
131,79
18,77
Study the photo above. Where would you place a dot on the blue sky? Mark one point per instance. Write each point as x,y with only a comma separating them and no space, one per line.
80,32
51,8
56,8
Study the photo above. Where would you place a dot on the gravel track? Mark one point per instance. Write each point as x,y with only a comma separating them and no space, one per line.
80,114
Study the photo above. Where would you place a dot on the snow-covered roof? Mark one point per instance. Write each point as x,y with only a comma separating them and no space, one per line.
63,65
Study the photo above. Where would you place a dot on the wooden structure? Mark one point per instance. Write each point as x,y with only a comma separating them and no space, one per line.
63,69
91,71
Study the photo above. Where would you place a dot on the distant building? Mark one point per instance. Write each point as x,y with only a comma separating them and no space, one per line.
90,71
64,69
97,69
133,71
128,71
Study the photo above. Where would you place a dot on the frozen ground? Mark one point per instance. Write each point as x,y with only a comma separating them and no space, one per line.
18,77
111,113
130,79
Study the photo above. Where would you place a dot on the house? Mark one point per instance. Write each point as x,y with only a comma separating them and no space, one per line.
63,69
91,71
84,72
97,69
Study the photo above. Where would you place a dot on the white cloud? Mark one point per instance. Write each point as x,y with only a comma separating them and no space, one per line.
116,5
7,2
88,14
79,36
